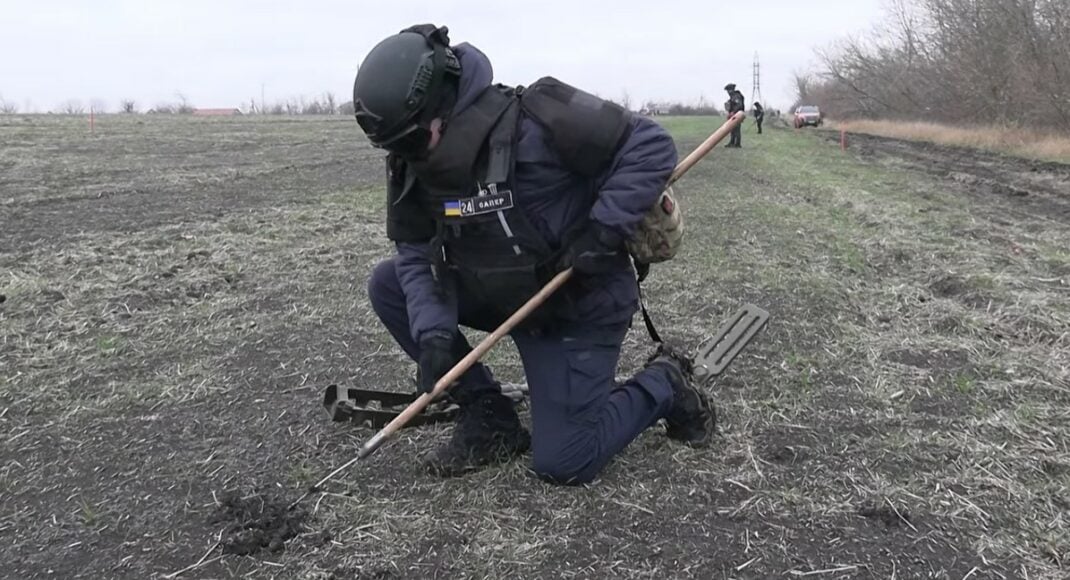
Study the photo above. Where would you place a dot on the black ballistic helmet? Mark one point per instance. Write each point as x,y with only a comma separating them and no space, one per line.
730,87
407,80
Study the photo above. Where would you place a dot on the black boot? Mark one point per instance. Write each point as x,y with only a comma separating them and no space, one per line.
692,418
488,431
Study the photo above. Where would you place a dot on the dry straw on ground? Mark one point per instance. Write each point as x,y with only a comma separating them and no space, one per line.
179,291
1015,141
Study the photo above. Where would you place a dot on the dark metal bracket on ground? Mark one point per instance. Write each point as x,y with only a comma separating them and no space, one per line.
377,408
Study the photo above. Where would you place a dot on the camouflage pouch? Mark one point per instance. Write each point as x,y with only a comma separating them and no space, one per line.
661,232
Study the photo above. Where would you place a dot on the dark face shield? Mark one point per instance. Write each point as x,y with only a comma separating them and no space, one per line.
410,143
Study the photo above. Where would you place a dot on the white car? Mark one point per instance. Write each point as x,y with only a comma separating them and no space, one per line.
807,115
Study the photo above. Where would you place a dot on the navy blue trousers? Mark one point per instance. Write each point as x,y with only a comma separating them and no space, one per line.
581,417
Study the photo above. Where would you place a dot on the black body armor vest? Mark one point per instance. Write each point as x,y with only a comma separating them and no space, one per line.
461,196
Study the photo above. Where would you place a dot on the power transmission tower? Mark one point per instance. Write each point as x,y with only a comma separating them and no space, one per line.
756,83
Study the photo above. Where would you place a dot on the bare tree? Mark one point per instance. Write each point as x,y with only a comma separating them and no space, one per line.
128,106
184,107
802,83
1003,61
330,105
7,108
98,106
626,100
72,107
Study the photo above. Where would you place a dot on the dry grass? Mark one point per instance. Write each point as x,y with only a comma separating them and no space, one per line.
1020,142
904,414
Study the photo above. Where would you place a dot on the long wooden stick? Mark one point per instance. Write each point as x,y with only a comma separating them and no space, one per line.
462,366
706,146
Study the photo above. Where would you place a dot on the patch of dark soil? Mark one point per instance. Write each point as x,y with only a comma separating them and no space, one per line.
949,325
884,513
1035,189
376,571
259,522
787,446
50,296
1060,270
263,355
278,179
939,360
1055,468
960,289
949,287
856,431
776,546
891,259
859,549
789,454
171,459
951,407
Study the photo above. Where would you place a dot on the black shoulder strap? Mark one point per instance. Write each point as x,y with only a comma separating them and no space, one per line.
641,271
501,146
587,131
650,329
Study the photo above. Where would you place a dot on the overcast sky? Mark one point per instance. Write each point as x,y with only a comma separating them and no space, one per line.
219,53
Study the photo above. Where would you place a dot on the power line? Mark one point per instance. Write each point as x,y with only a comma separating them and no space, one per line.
756,82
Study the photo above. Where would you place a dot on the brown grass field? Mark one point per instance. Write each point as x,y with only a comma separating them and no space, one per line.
1014,141
176,292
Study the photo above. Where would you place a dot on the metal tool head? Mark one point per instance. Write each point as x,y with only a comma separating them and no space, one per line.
717,353
377,408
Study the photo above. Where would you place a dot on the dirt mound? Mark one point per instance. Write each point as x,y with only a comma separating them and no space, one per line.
260,522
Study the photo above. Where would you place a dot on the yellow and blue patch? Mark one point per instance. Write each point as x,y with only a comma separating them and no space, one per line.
479,205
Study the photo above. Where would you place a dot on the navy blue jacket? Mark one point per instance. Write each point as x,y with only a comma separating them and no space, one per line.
552,197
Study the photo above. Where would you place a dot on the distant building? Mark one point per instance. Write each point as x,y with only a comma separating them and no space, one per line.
656,109
215,112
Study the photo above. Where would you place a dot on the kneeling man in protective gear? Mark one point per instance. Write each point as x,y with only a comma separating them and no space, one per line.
491,191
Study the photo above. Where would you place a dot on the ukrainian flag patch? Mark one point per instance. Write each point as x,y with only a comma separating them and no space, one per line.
479,205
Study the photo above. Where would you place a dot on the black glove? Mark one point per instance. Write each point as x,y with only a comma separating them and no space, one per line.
436,359
596,251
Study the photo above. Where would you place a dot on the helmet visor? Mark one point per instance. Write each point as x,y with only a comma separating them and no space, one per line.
409,143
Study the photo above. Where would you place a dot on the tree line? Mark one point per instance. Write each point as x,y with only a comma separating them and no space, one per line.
324,104
957,61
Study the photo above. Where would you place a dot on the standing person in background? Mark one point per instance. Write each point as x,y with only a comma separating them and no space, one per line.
759,115
735,105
